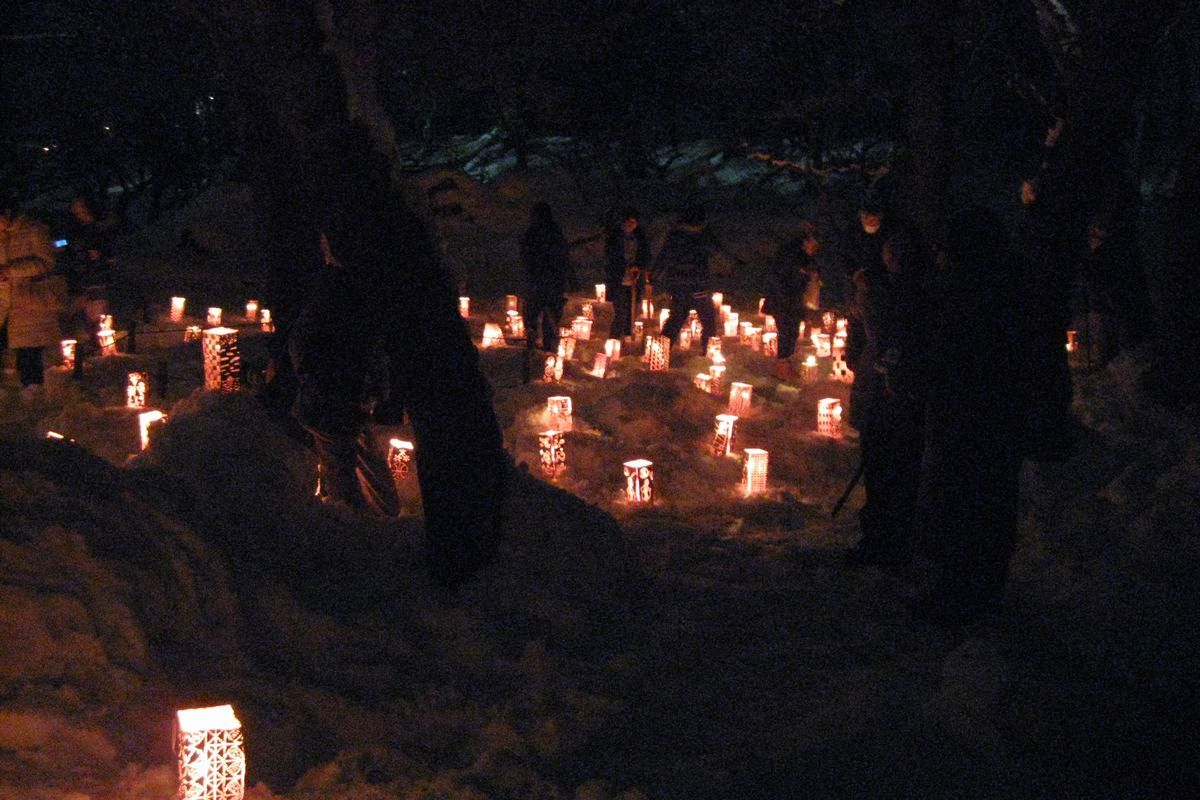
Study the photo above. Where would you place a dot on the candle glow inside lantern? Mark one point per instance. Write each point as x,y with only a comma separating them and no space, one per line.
754,471
658,353
177,306
842,325
146,422
106,336
731,324
552,452
639,331
829,321
808,372
823,343
739,398
222,360
841,371
464,307
516,325
639,481
492,335
135,390
566,345
601,293
716,378
558,412
647,308
723,317
511,303
588,311
713,349
722,443
717,299
251,311
702,381
1072,341
612,349
553,370
600,365
192,333
838,345
769,323
399,458
685,338
770,344
581,329
744,332
68,352
211,753
213,320
762,301
663,316
755,338
693,324
829,417
264,318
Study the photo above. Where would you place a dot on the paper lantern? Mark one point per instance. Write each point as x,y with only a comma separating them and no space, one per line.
722,443
581,329
770,344
829,322
801,333
842,325
838,344
754,471
566,345
723,316
639,481
251,311
658,353
685,339
823,343
106,336
588,311
841,371
731,324
663,316
212,756
146,421
1072,341
714,348
762,301
639,331
264,317
769,323
222,361
739,398
601,293
552,452
647,308
612,349
829,417
399,458
717,299
808,372
511,303
702,381
135,390
177,306
756,339
693,324
553,370
743,332
68,352
464,307
515,325
558,412
716,378
213,320
600,365
492,335
192,333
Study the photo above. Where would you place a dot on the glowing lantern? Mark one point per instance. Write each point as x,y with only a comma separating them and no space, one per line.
693,325
222,360
731,324
601,293
754,471
558,412
581,329
135,390
838,345
808,372
722,443
702,381
191,333
823,343
600,365
639,481
553,370
716,378
212,757
1072,342
264,317
723,316
612,349
647,308
756,339
829,321
177,306
685,339
106,335
399,458
464,307
492,335
516,325
744,332
663,316
829,417
552,452
68,352
213,320
769,323
761,302
714,348
639,331
840,371
770,344
803,328
717,299
511,303
739,398
588,311
566,345
146,421
251,311
658,353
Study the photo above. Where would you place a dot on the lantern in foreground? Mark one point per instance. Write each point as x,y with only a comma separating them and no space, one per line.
731,324
511,303
639,481
553,371
251,311
135,390
464,307
702,380
213,320
552,452
600,365
739,398
177,305
192,333
716,378
212,757
601,293
658,353
722,443
558,412
612,349
770,344
581,329
829,417
68,352
399,458
492,335
754,471
566,345
146,421
106,336
841,371
222,361
268,325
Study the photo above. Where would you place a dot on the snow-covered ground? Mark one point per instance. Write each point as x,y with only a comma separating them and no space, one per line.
710,645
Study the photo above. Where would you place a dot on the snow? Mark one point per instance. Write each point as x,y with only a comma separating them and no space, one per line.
709,645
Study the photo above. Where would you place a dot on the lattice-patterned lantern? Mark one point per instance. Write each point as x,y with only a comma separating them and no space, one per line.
723,433
639,481
754,471
264,318
702,381
558,412
716,378
492,335
511,303
106,336
685,338
612,349
68,348
731,323
251,311
824,344
829,417
769,323
213,320
808,371
400,458
135,390
840,371
588,311
647,308
192,333
222,360
639,331
770,344
566,345
663,316
212,756
553,370
829,322
147,420
581,329
464,307
600,365
552,452
739,398
601,293
177,306
714,348
658,353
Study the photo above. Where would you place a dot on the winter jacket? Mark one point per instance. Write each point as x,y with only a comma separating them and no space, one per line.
682,265
791,271
26,251
547,262
618,250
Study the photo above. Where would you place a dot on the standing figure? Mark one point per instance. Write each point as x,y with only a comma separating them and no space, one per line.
683,267
1115,287
627,256
548,274
28,308
790,295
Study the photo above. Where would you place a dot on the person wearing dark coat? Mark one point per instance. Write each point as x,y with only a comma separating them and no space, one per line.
793,270
1115,286
627,260
683,268
548,275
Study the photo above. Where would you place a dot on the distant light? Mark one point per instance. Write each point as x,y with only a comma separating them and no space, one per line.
60,242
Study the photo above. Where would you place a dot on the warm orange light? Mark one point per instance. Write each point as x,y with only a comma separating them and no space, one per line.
739,398
829,417
213,320
177,306
222,360
658,353
399,458
754,471
552,452
135,390
146,421
211,753
722,443
639,481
